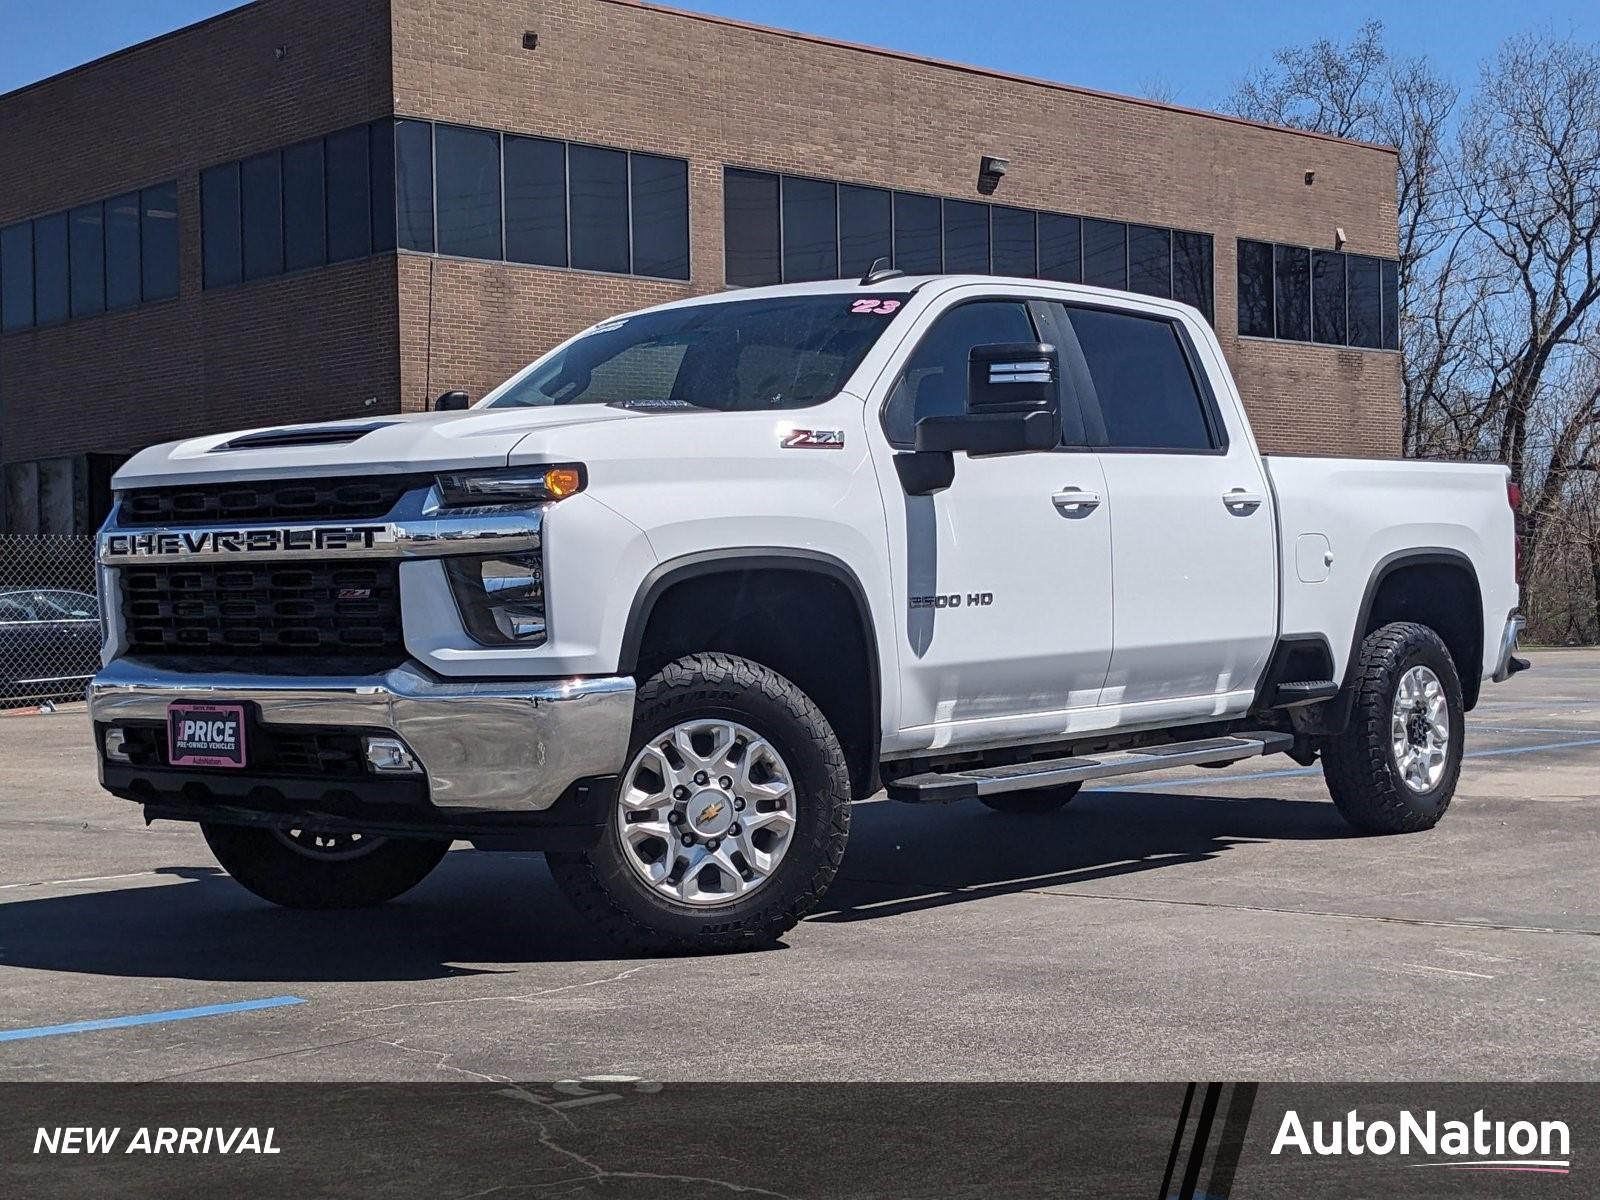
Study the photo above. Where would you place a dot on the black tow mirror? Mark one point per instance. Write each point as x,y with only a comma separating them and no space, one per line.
1013,403
452,402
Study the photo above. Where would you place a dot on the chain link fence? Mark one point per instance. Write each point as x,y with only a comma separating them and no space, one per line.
49,618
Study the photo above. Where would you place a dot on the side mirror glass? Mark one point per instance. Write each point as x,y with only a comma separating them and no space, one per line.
452,402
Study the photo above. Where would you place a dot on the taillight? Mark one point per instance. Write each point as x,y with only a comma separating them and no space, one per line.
1514,499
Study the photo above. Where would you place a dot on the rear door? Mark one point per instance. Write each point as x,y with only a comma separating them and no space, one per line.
1003,580
1194,574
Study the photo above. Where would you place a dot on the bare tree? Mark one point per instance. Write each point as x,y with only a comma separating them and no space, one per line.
1530,190
1325,86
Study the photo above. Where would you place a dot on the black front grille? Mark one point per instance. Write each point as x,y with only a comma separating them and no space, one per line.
295,609
347,498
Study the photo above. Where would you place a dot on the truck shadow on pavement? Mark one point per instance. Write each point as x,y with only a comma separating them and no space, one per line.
501,911
902,860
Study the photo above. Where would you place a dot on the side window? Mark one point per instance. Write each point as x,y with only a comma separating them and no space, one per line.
13,609
934,380
1141,375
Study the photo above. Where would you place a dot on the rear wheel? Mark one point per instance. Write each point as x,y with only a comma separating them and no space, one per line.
731,816
1395,767
302,868
1041,800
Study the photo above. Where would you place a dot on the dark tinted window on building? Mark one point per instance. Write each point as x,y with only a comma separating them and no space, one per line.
966,237
1327,297
1300,294
1255,289
261,208
536,200
16,276
916,234
158,241
1015,242
750,227
598,185
660,203
1060,248
1364,302
865,229
1193,271
220,246
934,381
1142,379
810,230
122,251
349,187
86,235
1292,284
1391,304
413,148
926,235
50,269
381,142
1149,260
305,227
467,191
1105,253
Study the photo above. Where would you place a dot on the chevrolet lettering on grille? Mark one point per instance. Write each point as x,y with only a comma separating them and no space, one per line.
218,543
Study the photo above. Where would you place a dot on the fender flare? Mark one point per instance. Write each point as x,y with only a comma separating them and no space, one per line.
1424,556
665,575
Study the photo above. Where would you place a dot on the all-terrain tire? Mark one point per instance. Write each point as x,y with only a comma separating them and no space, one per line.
605,888
275,869
1360,765
1039,800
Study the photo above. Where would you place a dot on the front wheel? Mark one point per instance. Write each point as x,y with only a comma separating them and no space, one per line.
1395,767
302,868
730,819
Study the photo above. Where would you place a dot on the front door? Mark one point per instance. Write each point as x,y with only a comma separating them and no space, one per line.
1004,579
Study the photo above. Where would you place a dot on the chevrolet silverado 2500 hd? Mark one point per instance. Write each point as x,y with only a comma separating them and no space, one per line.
666,601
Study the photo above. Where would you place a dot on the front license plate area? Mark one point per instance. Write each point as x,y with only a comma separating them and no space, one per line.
206,735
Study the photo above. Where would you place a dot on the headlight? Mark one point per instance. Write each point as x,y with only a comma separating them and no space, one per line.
501,598
511,485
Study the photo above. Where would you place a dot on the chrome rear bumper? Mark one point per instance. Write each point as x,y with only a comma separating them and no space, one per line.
506,746
1506,664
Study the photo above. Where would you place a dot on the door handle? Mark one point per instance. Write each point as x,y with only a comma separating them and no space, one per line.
1240,500
1076,498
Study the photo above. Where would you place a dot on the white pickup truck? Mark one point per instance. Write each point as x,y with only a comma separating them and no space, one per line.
665,602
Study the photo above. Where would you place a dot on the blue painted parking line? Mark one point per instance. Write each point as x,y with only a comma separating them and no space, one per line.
155,1018
1293,772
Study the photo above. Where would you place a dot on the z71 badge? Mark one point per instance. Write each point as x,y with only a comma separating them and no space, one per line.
813,439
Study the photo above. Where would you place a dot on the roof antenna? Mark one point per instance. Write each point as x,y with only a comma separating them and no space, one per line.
879,271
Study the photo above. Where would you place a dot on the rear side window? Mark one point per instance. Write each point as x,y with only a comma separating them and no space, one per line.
1148,396
934,382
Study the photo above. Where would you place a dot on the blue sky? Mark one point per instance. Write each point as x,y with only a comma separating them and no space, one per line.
1190,49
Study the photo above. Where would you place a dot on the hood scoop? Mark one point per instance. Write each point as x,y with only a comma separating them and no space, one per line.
303,435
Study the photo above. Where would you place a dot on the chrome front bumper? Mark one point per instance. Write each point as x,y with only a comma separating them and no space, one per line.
506,746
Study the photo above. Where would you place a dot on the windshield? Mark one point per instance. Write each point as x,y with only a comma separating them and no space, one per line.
737,356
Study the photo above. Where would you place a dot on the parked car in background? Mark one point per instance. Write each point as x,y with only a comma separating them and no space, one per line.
49,643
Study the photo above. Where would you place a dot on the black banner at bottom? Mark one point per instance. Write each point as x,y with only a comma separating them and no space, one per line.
617,1137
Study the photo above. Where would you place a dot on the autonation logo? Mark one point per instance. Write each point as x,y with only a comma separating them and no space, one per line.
1480,1144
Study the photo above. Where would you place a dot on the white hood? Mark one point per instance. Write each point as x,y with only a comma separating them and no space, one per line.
414,442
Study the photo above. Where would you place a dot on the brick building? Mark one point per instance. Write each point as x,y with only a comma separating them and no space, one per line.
299,210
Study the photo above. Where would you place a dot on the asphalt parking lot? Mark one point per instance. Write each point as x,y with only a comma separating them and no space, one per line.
1197,924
